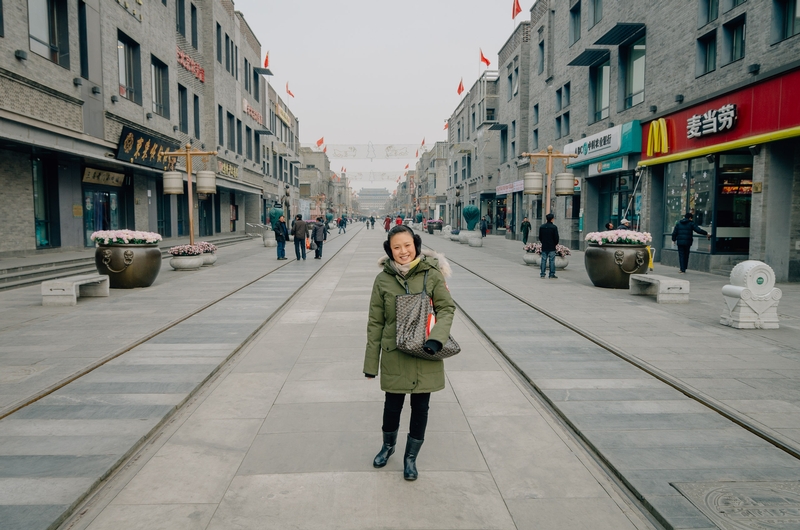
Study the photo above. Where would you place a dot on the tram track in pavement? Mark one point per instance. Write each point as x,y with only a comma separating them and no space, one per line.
33,398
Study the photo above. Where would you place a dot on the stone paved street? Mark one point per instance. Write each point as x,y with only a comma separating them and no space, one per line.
283,432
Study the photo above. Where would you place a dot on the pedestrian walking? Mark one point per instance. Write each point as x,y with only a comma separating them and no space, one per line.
398,221
343,225
625,224
319,233
281,236
683,235
484,226
526,229
403,270
609,226
299,232
387,223
548,237
372,221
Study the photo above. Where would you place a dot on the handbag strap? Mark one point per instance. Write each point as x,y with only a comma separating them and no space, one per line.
424,284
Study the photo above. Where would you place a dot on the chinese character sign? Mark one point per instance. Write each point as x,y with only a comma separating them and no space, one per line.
140,148
712,121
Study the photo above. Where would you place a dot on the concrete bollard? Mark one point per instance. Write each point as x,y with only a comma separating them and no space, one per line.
751,299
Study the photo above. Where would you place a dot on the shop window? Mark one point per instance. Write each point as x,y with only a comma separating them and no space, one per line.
689,187
634,73
180,16
159,77
734,199
787,18
183,109
599,91
595,12
219,43
193,20
49,30
575,23
45,203
733,34
196,114
707,53
130,71
709,11
163,210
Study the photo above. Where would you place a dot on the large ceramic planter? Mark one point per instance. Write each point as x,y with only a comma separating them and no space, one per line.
561,262
611,266
128,266
186,263
463,237
531,258
209,258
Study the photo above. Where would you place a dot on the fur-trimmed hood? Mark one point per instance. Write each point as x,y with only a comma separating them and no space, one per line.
434,258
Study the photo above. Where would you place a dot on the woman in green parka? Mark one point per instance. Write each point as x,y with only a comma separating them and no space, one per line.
404,268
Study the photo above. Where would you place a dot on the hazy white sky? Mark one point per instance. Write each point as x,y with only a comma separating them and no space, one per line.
377,71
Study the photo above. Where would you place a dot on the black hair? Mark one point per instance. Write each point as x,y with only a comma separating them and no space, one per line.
298,216
689,215
550,217
396,230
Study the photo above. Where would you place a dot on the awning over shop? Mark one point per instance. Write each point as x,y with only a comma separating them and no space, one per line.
262,71
590,57
621,33
240,186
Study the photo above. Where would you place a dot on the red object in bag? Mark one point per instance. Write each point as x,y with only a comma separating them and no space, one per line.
308,243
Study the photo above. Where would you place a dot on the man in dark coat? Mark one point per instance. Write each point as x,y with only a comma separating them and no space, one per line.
319,234
299,231
281,235
683,236
548,237
526,228
484,226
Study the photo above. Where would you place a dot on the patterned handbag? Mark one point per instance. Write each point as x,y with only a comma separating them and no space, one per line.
415,319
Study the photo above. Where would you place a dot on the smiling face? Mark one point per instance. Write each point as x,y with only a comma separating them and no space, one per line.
403,250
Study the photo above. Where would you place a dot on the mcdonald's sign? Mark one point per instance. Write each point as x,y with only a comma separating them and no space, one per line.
657,138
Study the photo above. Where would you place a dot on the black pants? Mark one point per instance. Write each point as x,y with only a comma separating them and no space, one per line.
393,406
524,238
299,243
318,252
683,256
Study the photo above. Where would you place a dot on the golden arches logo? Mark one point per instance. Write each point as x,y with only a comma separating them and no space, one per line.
657,139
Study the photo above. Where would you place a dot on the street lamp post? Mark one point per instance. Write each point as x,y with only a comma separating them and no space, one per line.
549,155
188,153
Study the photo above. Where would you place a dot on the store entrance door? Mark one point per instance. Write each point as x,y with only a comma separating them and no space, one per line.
206,217
101,211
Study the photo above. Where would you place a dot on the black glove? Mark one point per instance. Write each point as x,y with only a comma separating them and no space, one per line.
369,375
432,347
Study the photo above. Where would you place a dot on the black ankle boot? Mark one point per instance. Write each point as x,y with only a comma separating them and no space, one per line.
389,441
410,458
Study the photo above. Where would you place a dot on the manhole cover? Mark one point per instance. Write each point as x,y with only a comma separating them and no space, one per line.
746,505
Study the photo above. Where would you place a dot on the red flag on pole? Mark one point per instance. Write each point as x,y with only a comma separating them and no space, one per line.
423,143
266,60
287,89
320,141
416,155
406,166
484,60
516,10
325,149
460,86
446,125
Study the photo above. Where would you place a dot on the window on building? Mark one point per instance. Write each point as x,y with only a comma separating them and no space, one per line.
219,43
565,95
130,71
183,109
599,91
536,114
709,11
258,148
513,153
575,23
159,76
220,127
256,86
558,127
503,145
733,39
634,73
248,138
535,139
473,118
565,124
247,76
227,53
193,19
558,100
595,12
236,62
83,36
510,84
490,115
707,53
231,132
180,16
541,58
513,129
197,116
239,137
2,34
516,78
787,18
49,30
734,3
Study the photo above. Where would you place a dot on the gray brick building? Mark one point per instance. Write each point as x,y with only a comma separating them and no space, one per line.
91,94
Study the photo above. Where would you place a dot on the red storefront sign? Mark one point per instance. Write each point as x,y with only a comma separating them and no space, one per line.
191,65
763,108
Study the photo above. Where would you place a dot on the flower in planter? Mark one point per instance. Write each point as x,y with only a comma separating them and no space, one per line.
208,248
619,237
186,250
536,248
125,237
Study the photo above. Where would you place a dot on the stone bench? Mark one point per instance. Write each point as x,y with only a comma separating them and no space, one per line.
667,290
65,291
